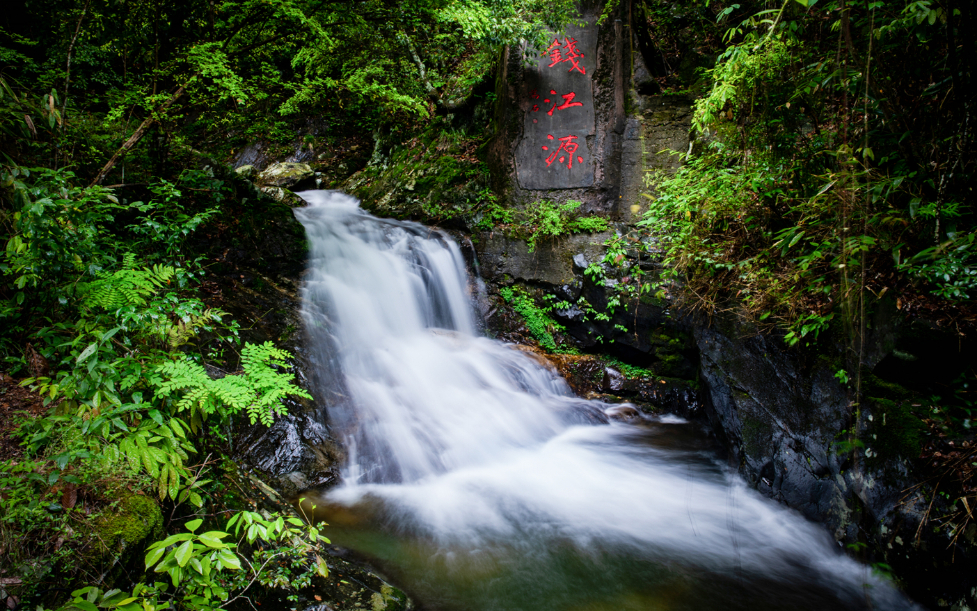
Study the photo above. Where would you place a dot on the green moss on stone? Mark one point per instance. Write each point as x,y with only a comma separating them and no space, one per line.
388,598
875,386
134,519
667,346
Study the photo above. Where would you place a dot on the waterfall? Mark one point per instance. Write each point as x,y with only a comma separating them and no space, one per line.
476,478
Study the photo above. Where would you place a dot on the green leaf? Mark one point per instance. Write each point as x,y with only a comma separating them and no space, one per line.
229,560
171,540
164,478
154,555
174,483
213,542
82,604
184,552
193,525
87,352
796,238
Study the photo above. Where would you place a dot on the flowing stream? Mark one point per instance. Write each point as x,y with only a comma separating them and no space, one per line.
477,481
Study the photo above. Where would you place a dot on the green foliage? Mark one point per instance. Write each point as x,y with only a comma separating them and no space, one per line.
544,219
537,319
628,370
809,187
124,287
100,326
258,391
204,568
621,276
950,268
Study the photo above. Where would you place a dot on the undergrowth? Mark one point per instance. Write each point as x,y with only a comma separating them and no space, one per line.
538,320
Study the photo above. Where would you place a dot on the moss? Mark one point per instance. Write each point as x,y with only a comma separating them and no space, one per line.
388,598
667,347
537,319
433,178
874,386
134,519
670,364
895,430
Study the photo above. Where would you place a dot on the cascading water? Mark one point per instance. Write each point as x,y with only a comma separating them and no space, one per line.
478,481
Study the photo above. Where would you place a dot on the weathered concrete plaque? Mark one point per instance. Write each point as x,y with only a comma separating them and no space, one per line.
557,99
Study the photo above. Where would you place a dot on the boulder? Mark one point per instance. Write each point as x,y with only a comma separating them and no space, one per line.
283,195
291,176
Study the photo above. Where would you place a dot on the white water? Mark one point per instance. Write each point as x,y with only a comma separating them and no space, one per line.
478,480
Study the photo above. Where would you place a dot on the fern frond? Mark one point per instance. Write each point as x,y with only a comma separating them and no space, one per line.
127,286
259,391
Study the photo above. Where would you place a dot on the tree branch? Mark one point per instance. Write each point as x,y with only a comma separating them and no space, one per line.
140,132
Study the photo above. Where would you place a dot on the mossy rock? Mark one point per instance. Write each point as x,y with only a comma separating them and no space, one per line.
133,520
389,598
295,176
874,386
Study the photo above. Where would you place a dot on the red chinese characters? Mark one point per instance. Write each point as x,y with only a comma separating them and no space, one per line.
567,102
568,147
567,52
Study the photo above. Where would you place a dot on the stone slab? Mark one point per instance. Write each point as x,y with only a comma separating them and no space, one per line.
557,102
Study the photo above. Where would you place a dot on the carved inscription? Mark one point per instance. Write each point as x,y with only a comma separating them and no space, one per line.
558,103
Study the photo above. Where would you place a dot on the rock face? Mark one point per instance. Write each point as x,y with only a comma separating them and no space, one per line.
786,422
607,306
296,453
522,169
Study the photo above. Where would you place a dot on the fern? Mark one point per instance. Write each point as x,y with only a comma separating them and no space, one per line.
258,391
180,332
125,287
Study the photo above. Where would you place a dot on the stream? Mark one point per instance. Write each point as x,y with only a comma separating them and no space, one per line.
476,480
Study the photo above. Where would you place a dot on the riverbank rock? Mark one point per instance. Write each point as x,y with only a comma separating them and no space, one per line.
793,430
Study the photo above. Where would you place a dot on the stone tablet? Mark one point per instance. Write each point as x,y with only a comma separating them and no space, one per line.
557,99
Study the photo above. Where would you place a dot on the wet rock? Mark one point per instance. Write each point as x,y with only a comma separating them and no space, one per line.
623,413
785,421
292,176
551,264
294,454
613,380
